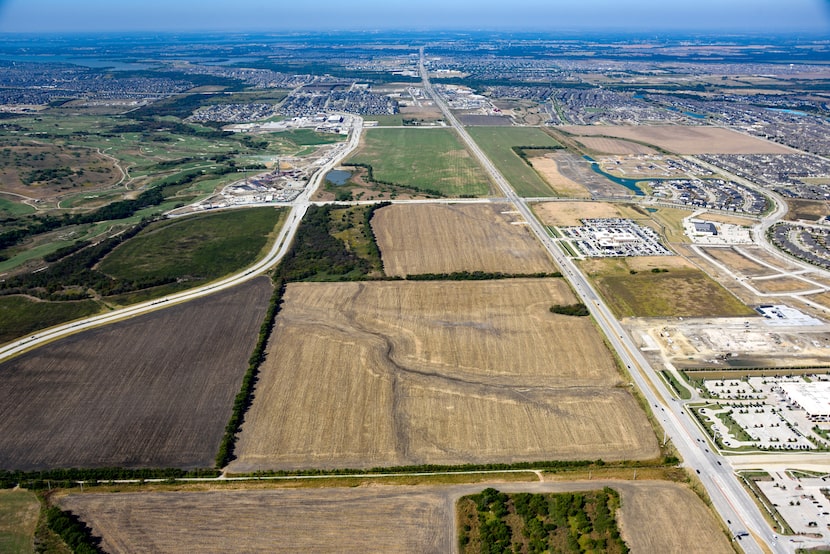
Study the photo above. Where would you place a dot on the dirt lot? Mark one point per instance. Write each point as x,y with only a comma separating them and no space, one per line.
548,168
730,343
155,390
399,373
366,519
433,238
615,146
737,262
567,214
685,140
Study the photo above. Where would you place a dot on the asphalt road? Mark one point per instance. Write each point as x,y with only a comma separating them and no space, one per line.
281,245
728,496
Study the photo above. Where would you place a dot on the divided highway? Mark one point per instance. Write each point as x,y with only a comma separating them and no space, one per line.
281,245
728,496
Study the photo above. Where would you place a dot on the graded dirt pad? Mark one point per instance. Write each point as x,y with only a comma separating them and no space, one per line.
407,373
548,168
152,391
447,238
782,285
569,214
366,519
667,517
737,262
615,146
685,140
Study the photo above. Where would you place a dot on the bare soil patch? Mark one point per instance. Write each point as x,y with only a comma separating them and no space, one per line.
606,145
782,285
738,262
152,391
548,168
808,210
446,238
566,214
685,140
407,373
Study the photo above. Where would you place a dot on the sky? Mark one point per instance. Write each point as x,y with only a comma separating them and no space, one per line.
83,16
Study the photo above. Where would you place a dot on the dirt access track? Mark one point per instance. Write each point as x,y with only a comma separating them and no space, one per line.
439,372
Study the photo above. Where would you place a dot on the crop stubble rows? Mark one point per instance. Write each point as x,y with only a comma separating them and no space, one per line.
152,391
400,373
432,238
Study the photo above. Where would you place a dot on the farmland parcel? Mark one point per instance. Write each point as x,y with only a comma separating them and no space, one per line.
400,373
153,391
427,160
498,143
432,238
365,519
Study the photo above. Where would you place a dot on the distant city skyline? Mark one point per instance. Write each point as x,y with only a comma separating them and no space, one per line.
733,16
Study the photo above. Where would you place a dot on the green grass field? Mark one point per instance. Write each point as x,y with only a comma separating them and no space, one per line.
18,517
680,292
497,143
422,159
8,207
20,316
195,249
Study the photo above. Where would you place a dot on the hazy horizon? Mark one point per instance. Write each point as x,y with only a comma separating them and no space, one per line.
636,16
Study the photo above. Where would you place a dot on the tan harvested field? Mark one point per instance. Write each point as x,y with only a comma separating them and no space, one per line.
366,519
667,517
400,373
548,168
615,146
152,391
447,238
566,214
376,519
685,140
730,219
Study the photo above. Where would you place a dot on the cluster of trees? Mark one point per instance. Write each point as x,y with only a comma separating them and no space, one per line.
580,309
521,151
50,174
73,275
75,533
569,522
316,254
370,176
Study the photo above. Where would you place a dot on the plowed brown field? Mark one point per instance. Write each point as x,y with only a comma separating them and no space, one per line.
446,238
152,391
399,373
